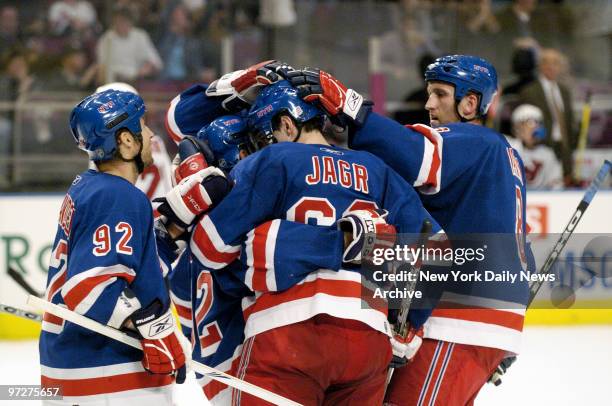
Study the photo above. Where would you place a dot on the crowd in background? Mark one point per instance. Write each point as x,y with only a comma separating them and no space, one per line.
60,46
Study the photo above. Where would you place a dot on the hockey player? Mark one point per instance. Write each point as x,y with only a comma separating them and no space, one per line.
542,168
471,181
105,265
307,181
209,304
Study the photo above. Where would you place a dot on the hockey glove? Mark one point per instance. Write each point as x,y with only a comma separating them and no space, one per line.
364,231
241,87
404,349
342,104
502,368
163,352
193,196
193,156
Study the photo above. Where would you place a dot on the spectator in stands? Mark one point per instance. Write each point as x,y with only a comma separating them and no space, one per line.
75,74
126,53
555,101
415,112
515,20
10,33
15,82
401,49
542,168
524,67
181,52
72,16
516,25
482,19
17,79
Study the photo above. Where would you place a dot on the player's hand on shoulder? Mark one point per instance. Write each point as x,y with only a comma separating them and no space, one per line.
342,104
163,351
193,156
194,195
365,230
405,348
241,87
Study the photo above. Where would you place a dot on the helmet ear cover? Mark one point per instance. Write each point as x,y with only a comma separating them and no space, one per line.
117,155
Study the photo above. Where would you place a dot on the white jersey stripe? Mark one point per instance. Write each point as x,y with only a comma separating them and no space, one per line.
473,333
270,249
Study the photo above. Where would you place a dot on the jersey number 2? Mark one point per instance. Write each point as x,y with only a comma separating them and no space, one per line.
209,334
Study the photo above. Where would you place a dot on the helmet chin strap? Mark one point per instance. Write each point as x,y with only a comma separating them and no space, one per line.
138,158
299,134
463,119
299,128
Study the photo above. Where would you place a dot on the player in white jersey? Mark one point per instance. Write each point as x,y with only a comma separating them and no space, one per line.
542,168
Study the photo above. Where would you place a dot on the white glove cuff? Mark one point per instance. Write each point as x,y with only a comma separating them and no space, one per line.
352,104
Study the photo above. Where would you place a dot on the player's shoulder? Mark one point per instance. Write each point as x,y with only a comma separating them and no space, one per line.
98,189
471,132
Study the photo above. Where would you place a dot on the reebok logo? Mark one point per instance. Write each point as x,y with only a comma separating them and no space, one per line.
353,103
331,151
161,326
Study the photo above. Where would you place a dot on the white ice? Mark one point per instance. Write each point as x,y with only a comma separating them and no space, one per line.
559,366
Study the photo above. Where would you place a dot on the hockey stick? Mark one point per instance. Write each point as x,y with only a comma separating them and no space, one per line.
556,252
401,324
19,279
569,229
115,334
20,312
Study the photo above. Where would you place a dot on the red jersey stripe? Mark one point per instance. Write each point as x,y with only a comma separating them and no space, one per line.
107,384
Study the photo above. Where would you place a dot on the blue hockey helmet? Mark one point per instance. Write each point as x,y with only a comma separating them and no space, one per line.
226,136
95,121
467,74
277,98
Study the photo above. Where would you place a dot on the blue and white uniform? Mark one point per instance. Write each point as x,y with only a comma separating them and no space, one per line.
104,243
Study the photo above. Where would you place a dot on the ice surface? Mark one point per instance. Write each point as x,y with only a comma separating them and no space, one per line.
559,366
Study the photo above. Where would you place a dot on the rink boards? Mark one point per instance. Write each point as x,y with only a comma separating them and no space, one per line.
28,224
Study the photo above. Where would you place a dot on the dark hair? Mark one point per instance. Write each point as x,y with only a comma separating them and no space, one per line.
122,11
315,123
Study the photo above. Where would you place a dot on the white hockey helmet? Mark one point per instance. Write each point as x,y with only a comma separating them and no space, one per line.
526,112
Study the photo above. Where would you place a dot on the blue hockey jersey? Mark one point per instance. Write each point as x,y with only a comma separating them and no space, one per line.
310,184
471,181
190,111
104,243
210,302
